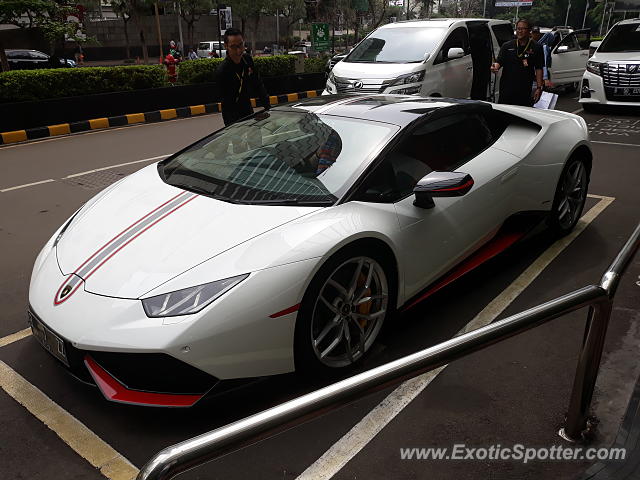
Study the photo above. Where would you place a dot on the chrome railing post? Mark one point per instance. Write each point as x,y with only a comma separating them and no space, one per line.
577,424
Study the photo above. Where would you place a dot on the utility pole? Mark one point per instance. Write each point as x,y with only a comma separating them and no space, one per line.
586,9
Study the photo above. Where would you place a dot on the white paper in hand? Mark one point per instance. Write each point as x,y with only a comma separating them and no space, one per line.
547,101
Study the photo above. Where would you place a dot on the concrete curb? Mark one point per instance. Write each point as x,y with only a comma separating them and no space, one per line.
133,118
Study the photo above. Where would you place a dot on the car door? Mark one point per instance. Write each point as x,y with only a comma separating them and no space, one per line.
432,241
569,58
452,77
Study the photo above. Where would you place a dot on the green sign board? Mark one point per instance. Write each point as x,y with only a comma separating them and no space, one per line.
320,40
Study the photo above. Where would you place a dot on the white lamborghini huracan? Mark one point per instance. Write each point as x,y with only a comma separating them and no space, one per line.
285,241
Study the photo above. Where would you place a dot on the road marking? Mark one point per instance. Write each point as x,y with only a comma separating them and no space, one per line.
73,432
575,112
614,143
87,172
14,337
115,166
339,454
28,185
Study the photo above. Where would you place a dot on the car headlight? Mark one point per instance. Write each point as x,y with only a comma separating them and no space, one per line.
594,67
332,78
188,300
408,78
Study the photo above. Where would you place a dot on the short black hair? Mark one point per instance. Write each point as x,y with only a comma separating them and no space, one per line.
524,20
229,32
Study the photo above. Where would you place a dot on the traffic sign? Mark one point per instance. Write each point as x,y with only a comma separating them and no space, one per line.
320,36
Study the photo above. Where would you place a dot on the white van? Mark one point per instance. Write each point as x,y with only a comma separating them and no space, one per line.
206,49
441,57
613,72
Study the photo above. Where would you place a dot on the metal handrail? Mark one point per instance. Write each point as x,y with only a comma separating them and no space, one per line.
193,452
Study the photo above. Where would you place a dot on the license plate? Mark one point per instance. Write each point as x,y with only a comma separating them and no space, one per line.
49,340
627,92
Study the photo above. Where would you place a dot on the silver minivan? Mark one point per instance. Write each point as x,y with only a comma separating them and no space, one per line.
441,57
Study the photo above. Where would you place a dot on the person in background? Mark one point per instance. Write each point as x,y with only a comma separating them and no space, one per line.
174,51
192,55
546,52
522,62
237,77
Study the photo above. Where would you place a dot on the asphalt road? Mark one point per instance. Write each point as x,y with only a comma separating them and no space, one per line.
514,392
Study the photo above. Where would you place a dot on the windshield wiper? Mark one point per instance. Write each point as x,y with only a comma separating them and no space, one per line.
288,201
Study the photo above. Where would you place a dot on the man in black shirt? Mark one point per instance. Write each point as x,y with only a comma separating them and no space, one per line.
237,78
522,61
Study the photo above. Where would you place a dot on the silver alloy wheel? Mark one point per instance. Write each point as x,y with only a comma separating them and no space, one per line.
349,311
573,195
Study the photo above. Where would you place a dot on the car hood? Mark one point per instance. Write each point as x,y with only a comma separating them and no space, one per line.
143,232
375,71
616,57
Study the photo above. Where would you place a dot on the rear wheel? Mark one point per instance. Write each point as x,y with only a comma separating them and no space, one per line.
343,310
570,197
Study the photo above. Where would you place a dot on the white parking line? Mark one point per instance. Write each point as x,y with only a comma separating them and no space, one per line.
115,166
73,432
614,143
27,185
332,461
575,112
14,337
87,172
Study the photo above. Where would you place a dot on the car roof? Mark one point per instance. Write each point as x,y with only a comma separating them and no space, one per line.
629,21
22,50
440,22
399,110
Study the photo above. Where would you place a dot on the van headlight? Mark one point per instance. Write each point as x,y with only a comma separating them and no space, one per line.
188,300
595,67
408,78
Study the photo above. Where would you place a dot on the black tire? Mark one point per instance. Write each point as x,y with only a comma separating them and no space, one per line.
590,107
570,197
315,315
571,87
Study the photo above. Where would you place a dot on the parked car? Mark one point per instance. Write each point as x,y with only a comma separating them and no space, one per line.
569,58
207,48
287,240
20,59
613,72
442,57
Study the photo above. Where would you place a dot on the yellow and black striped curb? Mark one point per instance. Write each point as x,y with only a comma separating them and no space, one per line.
133,118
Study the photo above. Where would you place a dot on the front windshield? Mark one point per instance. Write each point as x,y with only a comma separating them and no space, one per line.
397,45
622,38
278,157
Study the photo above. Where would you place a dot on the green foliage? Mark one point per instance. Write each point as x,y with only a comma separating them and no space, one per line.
26,85
204,70
315,65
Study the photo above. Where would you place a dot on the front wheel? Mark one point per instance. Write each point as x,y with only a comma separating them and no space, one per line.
570,197
343,310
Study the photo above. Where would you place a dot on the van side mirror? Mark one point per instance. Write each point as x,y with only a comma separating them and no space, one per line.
455,52
441,184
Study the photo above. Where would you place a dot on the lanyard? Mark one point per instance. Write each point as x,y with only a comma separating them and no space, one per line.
523,51
241,78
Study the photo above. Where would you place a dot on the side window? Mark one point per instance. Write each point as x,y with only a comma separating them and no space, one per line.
571,42
38,56
436,146
503,33
459,38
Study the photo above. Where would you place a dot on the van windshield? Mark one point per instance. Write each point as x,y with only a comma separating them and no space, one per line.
397,45
622,38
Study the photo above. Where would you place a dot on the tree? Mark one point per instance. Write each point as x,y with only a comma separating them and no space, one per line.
120,9
190,11
136,9
250,12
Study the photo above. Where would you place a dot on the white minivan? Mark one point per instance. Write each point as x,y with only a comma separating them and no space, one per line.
210,49
441,57
613,72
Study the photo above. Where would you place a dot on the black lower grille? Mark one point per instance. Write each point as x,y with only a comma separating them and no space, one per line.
617,94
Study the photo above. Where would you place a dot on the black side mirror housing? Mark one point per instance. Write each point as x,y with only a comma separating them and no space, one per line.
441,184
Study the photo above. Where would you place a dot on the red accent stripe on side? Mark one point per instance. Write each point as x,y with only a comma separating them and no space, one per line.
113,390
461,187
286,311
495,246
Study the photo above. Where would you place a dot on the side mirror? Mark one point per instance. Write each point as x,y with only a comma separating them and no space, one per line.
441,184
455,53
562,49
593,46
